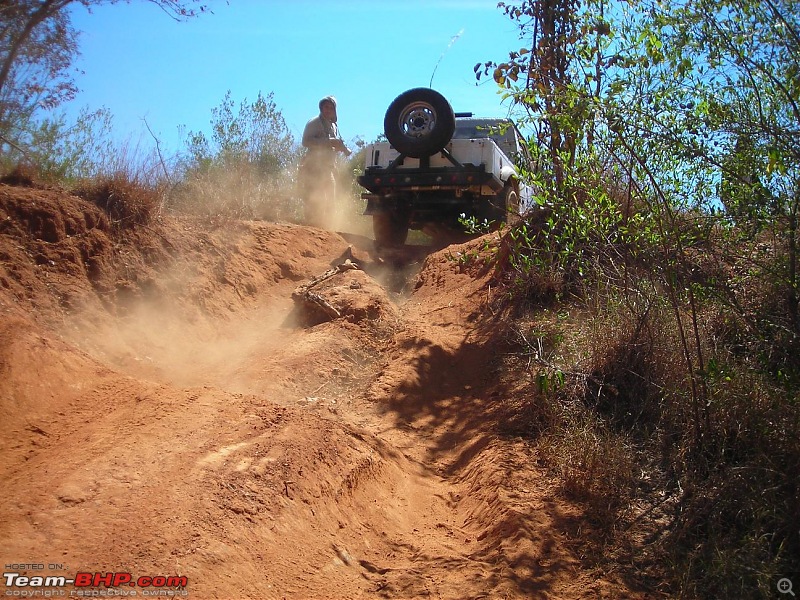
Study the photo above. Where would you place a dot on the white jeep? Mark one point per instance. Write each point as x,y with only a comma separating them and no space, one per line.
440,169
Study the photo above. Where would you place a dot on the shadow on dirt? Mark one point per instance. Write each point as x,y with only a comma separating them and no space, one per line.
453,401
533,569
450,394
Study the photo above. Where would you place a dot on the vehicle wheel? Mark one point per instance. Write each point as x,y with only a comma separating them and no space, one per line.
504,207
390,229
419,122
511,202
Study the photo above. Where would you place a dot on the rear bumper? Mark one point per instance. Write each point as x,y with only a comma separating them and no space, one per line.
419,208
397,181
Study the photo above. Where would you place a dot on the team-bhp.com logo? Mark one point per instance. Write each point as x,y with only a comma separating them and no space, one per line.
96,584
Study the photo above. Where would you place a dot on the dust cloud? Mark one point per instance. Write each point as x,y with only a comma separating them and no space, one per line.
170,345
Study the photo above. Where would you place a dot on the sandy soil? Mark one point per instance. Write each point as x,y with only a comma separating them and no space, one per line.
168,408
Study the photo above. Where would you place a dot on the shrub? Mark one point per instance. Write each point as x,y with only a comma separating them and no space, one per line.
236,191
247,167
127,202
668,399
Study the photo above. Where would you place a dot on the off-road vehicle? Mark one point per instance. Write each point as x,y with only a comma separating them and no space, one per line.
440,169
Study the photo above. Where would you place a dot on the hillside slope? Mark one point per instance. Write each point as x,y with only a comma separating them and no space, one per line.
169,409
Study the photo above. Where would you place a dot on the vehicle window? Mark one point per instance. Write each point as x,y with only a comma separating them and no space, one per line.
500,130
470,132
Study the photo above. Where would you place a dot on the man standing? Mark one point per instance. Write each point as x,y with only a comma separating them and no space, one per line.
317,179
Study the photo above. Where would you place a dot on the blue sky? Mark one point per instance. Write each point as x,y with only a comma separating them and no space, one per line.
141,64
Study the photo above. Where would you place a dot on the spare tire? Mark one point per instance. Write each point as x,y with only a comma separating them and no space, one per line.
419,122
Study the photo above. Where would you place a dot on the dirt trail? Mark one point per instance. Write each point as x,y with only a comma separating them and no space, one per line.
168,409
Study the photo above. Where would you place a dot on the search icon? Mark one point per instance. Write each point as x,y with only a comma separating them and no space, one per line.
785,586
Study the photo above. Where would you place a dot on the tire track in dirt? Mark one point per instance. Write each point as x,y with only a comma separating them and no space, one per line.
435,400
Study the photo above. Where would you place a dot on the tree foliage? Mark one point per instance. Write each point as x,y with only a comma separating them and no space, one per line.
37,47
691,105
244,168
254,133
36,51
555,76
666,133
65,152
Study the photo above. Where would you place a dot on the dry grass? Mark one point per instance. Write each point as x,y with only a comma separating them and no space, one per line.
238,192
594,464
127,202
21,174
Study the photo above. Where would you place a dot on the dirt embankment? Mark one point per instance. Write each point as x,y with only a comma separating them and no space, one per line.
168,409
